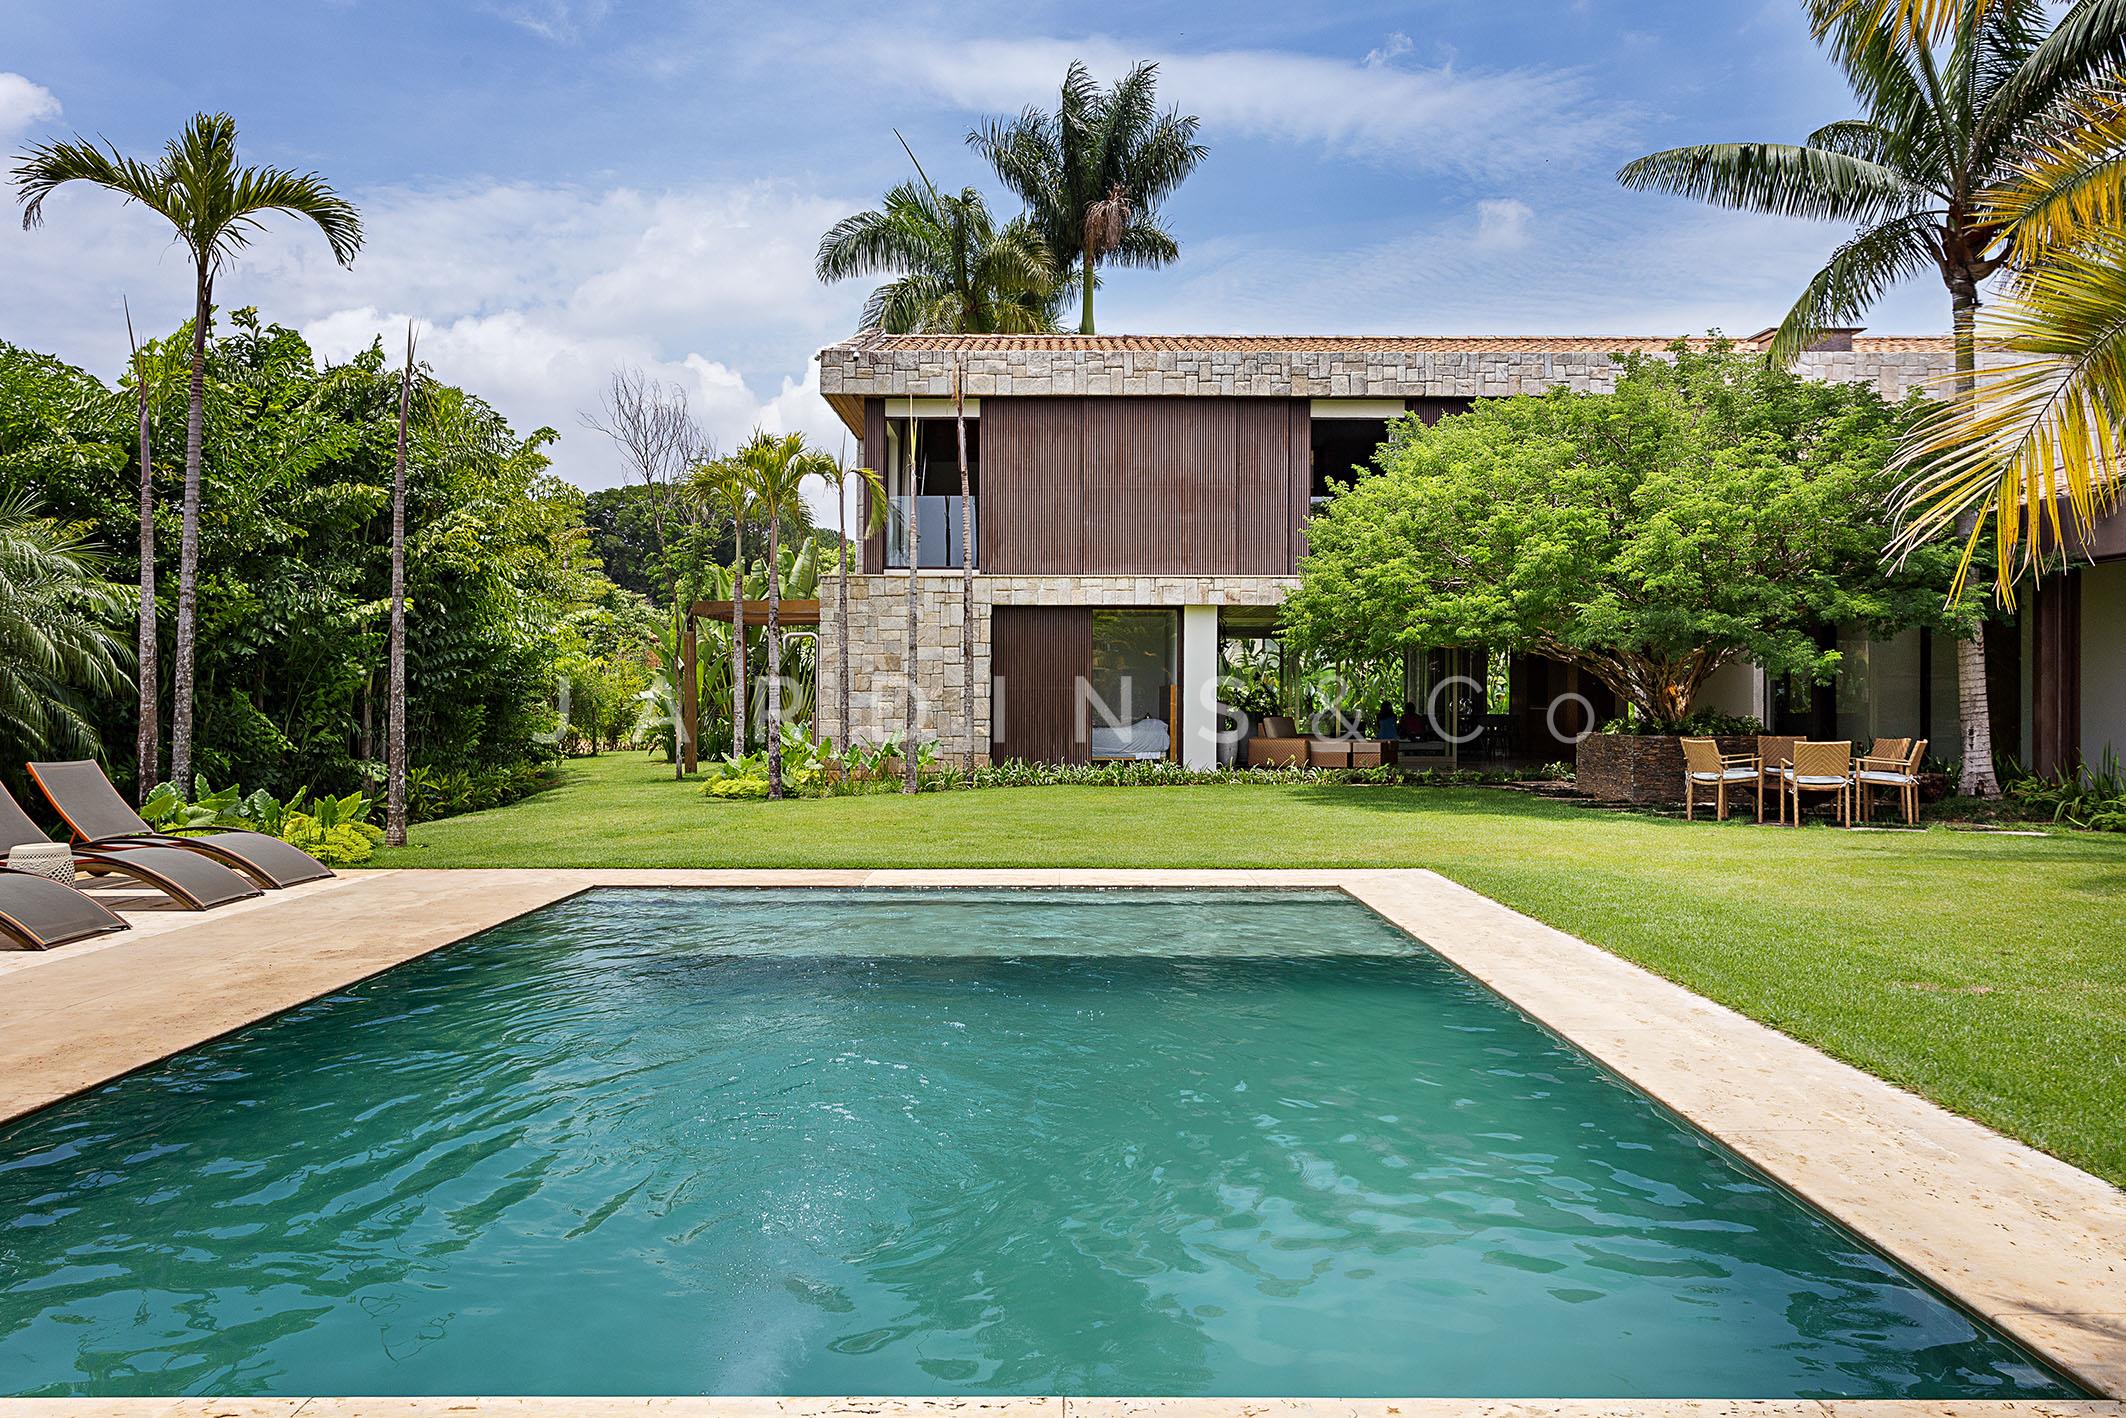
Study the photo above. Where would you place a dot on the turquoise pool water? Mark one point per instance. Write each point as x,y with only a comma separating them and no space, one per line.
969,1142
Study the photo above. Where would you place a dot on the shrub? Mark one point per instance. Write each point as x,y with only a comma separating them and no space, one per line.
2089,798
335,830
433,793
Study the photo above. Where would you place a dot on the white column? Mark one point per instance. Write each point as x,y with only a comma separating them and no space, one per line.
1199,686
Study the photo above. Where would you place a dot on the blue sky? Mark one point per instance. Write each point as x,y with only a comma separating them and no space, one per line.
557,187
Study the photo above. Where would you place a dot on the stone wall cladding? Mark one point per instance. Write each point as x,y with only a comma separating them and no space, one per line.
876,618
1647,768
855,372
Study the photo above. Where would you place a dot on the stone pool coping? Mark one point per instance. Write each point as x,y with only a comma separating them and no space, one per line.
2030,1244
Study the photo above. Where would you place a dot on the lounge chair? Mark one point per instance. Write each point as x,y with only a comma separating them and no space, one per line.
1819,768
99,818
1276,741
1900,772
37,913
185,877
1707,769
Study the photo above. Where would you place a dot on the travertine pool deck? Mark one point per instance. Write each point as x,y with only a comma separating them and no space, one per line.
2034,1246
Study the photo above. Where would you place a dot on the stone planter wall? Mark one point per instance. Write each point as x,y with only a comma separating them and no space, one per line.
1642,768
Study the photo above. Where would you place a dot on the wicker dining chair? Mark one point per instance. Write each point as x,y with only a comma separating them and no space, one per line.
1705,767
1872,772
1774,753
1819,768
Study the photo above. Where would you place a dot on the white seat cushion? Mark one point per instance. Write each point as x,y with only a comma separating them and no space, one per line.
1732,775
1816,780
1883,776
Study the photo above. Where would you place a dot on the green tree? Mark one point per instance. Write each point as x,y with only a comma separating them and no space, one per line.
1093,173
58,651
774,470
1957,98
216,206
1710,510
872,492
956,270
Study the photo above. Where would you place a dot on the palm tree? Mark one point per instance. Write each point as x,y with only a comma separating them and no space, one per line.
1093,173
1955,103
147,735
395,750
956,269
775,471
57,647
216,207
723,484
2047,424
911,777
837,477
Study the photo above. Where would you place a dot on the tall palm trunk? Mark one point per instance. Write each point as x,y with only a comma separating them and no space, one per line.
1085,317
1974,708
395,692
147,741
772,654
841,617
188,543
959,428
738,635
909,780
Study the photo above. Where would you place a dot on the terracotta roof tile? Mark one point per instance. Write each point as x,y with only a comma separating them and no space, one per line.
1342,344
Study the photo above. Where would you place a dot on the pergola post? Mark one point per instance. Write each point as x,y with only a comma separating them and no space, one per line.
689,697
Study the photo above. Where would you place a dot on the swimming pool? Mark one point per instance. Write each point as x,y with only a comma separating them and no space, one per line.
822,1142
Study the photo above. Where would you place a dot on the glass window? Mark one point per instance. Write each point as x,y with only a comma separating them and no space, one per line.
1127,711
1340,447
936,479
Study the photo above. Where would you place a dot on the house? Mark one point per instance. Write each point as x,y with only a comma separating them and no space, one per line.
1138,511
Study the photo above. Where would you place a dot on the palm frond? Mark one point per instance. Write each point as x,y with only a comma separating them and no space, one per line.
2071,187
1855,277
1779,178
2043,427
2086,48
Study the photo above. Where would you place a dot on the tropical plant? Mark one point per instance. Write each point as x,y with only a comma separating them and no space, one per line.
1093,173
334,829
723,483
147,733
2045,424
217,206
775,470
57,648
1712,509
1958,98
871,493
955,269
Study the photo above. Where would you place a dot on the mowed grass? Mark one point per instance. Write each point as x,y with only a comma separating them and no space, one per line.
1985,971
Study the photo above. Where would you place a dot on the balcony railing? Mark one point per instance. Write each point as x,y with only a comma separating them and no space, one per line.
938,520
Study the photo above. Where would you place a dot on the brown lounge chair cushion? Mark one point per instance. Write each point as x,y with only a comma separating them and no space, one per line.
37,913
185,877
99,816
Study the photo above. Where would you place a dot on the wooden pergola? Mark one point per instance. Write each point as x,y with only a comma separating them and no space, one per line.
790,611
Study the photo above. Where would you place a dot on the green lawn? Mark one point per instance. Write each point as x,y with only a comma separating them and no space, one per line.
1985,971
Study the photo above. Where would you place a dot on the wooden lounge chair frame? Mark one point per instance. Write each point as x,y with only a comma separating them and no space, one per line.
101,819
1705,766
37,913
196,882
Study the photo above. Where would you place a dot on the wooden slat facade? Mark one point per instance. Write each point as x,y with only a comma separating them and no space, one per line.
1032,499
1037,655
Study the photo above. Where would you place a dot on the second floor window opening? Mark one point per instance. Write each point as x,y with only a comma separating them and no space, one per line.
932,494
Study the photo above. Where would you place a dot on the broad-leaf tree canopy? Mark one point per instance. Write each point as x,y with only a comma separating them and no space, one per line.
1713,508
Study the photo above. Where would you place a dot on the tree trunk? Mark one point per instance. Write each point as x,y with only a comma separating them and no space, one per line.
841,616
1973,705
773,656
909,780
147,742
738,636
395,691
959,427
1085,318
188,544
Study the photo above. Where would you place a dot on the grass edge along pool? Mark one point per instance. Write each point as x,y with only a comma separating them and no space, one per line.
931,1142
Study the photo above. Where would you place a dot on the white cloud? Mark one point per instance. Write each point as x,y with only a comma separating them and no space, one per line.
1395,46
23,103
1437,119
529,296
562,21
1502,224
